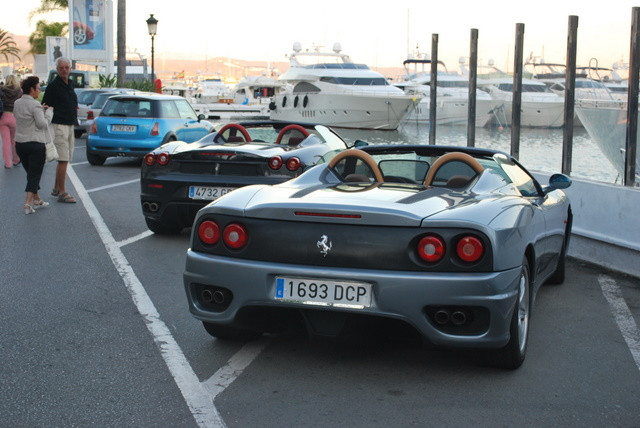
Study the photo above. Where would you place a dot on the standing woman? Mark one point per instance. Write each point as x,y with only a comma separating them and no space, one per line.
10,93
32,121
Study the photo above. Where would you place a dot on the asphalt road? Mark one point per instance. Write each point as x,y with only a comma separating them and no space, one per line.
95,331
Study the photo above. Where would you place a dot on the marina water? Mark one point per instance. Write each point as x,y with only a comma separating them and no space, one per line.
540,149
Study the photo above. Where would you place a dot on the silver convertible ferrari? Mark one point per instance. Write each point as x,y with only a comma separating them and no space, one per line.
451,242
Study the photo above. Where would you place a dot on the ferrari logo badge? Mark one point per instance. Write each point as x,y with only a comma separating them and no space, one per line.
324,244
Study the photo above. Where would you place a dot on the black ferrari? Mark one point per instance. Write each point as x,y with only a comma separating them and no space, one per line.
179,178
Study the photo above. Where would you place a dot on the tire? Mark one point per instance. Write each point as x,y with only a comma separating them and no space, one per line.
226,332
512,355
95,160
162,228
78,133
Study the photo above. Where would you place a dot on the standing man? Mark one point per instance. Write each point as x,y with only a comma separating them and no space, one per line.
61,96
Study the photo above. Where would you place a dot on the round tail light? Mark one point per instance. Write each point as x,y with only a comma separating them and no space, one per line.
235,236
149,159
293,163
431,248
275,162
470,249
163,159
209,232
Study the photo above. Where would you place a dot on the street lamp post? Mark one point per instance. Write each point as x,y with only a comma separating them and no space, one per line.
152,25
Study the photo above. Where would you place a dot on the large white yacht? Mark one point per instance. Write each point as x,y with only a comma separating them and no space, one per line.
606,124
540,108
330,89
249,99
210,90
452,94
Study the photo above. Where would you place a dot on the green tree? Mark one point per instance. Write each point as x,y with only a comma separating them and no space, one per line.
8,47
38,39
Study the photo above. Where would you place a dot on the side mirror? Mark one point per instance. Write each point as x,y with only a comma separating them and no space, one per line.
557,181
360,143
201,117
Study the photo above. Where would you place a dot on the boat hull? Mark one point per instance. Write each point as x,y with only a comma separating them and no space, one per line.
453,112
606,124
359,111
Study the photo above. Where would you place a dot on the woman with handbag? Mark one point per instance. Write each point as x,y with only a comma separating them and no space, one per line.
32,120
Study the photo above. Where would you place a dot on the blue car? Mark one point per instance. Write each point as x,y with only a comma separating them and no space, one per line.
133,125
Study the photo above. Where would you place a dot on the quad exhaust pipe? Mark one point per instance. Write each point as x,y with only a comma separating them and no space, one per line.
213,296
457,317
151,206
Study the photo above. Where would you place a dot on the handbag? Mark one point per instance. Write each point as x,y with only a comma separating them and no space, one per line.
52,153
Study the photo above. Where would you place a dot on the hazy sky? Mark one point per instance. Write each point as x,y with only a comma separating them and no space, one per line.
375,33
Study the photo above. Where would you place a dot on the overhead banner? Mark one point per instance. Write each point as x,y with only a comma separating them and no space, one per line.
91,33
88,24
56,48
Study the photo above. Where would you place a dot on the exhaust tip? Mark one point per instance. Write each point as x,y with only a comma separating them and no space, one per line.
441,317
458,318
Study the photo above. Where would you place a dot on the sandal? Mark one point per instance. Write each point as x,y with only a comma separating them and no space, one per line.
55,192
66,198
40,204
28,209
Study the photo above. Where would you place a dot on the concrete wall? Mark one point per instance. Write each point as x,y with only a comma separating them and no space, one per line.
606,224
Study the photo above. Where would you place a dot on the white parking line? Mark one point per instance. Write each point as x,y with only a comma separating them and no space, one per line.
78,163
622,315
134,239
194,392
234,368
123,183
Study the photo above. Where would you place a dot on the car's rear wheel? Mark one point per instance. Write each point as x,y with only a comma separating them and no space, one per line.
512,355
162,228
226,332
78,133
94,159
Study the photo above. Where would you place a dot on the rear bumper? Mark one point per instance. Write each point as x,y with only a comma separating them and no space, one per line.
121,147
404,296
166,198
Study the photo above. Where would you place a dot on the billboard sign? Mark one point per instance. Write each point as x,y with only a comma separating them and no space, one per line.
56,47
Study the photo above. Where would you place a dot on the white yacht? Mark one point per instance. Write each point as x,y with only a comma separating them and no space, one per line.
588,85
452,98
606,124
540,108
210,90
249,99
329,89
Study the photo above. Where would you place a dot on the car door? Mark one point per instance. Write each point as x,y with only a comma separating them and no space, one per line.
192,129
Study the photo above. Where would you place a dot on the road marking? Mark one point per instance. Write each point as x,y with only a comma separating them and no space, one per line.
234,368
109,186
195,394
78,163
622,315
133,239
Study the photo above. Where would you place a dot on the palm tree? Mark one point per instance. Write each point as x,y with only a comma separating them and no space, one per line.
8,46
38,39
47,6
